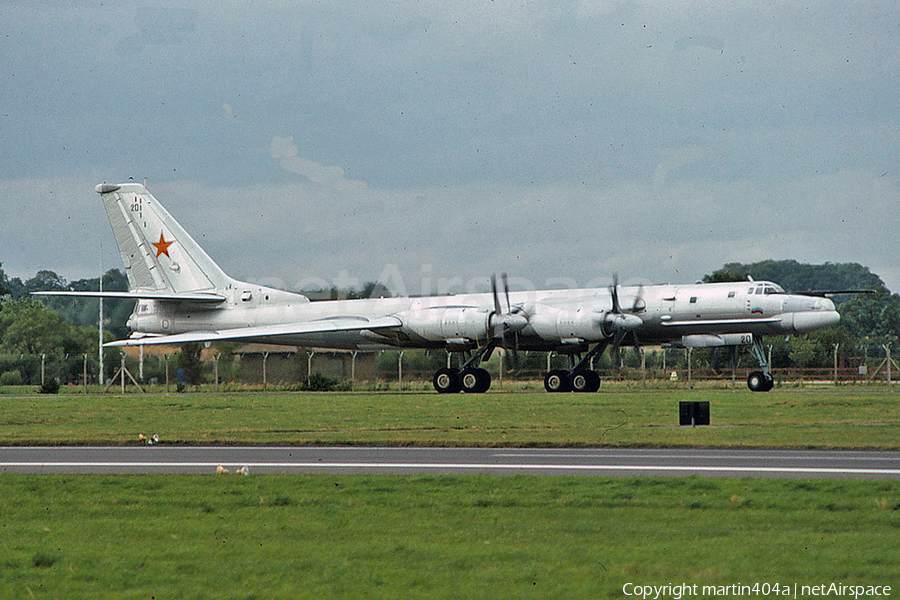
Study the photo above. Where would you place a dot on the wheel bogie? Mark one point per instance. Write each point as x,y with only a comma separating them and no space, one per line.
472,380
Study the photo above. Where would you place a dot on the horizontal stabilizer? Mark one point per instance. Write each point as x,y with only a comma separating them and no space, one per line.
267,332
192,297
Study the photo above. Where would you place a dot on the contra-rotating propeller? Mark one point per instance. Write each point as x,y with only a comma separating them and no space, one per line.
621,323
511,321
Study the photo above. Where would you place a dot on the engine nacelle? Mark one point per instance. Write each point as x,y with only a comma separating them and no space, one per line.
441,324
554,324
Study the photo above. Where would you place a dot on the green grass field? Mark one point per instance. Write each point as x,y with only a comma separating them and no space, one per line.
435,536
852,417
444,536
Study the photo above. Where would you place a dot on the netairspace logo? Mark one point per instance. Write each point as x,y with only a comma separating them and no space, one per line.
796,591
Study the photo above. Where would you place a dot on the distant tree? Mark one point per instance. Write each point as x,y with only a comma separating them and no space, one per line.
874,316
817,349
796,277
190,364
370,289
84,311
375,289
4,282
46,281
29,328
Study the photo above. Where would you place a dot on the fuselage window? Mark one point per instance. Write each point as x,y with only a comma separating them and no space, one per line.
693,299
731,294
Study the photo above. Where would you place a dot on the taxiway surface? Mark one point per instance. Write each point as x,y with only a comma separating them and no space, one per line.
494,461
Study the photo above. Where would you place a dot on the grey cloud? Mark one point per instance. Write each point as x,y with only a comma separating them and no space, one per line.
548,139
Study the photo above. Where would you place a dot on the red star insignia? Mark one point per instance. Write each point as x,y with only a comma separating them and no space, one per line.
162,246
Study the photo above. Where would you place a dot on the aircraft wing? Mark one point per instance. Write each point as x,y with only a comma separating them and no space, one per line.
266,331
193,297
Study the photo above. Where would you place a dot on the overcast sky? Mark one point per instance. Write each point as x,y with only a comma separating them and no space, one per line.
435,141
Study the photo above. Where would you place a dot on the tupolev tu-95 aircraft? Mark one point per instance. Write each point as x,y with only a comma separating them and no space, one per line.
183,296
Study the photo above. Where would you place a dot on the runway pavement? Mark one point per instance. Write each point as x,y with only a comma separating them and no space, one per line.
493,461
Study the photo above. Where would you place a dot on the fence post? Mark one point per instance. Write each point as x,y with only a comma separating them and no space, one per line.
643,367
887,349
689,352
400,371
836,346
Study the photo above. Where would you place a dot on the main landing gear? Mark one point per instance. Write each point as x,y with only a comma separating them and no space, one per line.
578,377
469,377
472,379
561,380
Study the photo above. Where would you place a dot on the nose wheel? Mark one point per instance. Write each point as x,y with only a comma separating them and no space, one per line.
758,381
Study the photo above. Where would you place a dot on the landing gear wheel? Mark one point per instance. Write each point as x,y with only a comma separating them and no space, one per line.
557,380
475,381
585,381
446,381
759,381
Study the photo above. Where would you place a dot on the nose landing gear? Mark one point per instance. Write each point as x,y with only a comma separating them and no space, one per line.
760,381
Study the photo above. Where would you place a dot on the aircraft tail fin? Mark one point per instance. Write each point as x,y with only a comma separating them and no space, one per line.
158,254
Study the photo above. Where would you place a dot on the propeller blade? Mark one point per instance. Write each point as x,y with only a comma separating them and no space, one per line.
506,291
497,309
496,324
638,303
500,322
614,292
